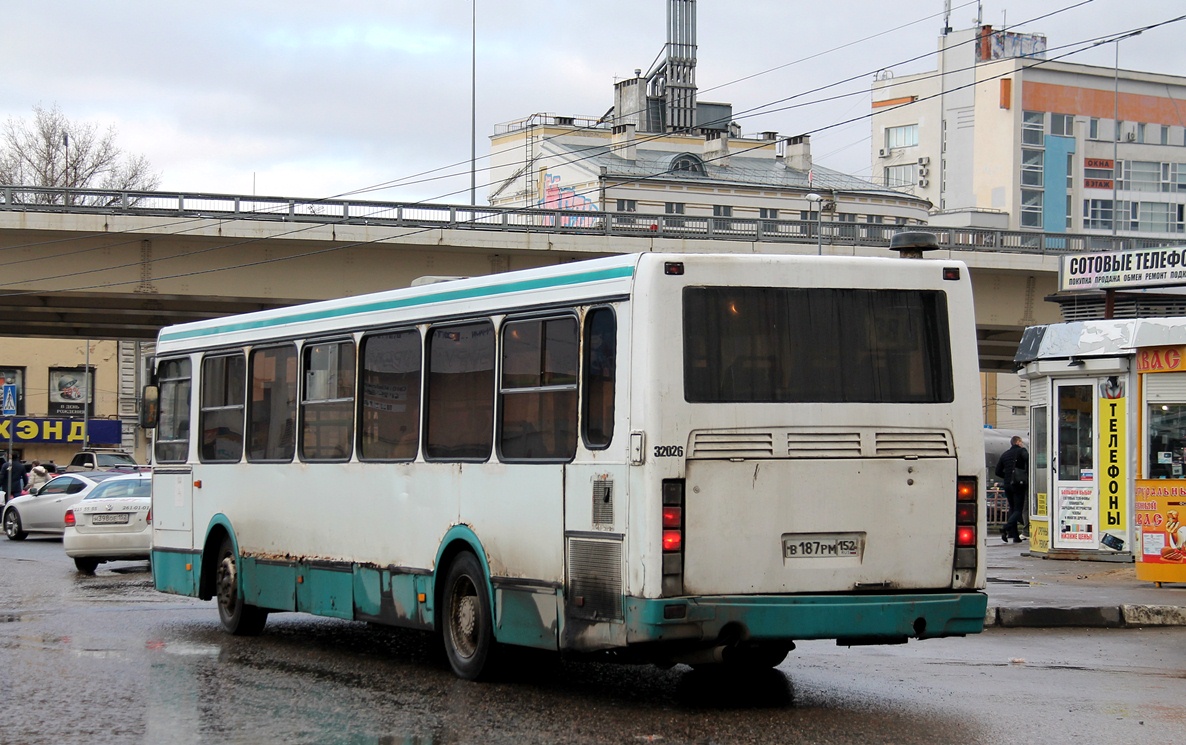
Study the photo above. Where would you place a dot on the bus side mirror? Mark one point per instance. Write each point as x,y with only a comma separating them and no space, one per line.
150,406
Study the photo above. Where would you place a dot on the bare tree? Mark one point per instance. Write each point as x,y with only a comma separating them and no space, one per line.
55,153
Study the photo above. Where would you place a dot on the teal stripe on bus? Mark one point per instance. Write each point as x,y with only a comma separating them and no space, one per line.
438,297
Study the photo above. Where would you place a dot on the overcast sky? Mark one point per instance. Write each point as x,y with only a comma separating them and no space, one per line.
316,99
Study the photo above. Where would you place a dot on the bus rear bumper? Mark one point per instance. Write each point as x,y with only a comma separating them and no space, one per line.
850,619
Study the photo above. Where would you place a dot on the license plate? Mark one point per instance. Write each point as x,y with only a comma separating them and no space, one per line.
109,518
822,545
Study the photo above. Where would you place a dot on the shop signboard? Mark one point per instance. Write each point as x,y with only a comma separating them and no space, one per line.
1159,266
24,429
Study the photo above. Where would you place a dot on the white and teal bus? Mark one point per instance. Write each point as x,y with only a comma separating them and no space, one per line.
666,458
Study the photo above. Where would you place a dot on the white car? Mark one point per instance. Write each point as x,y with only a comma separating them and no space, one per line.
45,510
112,523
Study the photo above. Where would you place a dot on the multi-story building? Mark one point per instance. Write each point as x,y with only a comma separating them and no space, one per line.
661,151
1000,136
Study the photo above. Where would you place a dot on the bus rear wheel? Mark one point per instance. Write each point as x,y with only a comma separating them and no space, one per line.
238,617
467,628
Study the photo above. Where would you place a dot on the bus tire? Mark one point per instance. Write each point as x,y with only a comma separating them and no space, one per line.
238,617
466,625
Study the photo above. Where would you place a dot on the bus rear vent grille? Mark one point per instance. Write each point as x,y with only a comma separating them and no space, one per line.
603,502
733,445
595,578
921,444
824,444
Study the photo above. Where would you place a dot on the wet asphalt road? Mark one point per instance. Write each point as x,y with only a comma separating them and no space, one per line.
106,659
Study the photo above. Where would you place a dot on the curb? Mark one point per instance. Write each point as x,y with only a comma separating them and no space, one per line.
1098,617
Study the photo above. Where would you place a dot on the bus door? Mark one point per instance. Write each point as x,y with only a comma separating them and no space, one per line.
172,507
1075,518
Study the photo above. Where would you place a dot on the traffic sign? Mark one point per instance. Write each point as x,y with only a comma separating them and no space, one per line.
9,399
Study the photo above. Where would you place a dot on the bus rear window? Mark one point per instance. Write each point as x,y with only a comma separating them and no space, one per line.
815,345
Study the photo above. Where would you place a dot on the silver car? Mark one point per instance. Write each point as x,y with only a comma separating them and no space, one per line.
45,510
112,523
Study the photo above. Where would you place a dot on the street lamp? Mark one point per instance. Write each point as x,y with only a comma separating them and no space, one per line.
819,221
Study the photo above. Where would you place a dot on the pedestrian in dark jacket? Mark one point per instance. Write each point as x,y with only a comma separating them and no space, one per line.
1013,471
12,479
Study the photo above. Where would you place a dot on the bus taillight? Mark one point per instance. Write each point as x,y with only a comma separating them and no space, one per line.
673,537
965,523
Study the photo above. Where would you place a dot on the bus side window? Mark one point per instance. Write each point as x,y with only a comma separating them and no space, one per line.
221,408
271,409
327,407
538,413
460,392
600,371
389,414
172,434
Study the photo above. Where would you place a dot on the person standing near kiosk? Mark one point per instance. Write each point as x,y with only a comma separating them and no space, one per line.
1013,471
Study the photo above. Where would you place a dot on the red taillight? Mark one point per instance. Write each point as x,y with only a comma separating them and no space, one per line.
965,490
69,518
965,535
673,517
965,513
148,517
673,540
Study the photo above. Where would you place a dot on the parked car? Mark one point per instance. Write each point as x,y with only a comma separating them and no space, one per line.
98,459
111,523
45,510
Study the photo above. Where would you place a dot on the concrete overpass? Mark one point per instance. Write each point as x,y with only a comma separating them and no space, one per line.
113,265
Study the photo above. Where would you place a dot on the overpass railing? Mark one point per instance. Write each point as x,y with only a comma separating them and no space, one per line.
418,215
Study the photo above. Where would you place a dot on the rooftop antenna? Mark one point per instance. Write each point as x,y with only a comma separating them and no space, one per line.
946,17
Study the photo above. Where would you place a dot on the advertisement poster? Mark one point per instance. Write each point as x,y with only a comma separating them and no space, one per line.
1160,537
1077,520
1039,535
1112,464
70,392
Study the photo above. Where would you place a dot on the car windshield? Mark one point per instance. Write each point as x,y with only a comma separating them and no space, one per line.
107,460
122,489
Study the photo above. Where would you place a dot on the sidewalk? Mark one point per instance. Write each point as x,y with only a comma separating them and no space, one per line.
1026,589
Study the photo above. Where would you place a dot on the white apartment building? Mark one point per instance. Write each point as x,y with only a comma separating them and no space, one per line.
659,150
997,136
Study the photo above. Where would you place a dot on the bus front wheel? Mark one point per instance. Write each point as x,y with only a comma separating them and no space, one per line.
238,617
467,628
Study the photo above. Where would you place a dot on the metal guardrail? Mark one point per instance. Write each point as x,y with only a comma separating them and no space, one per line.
416,215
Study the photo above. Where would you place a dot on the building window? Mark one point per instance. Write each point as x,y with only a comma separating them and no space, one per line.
1033,128
1032,164
1165,135
904,136
224,384
1119,129
1031,208
767,213
1093,129
627,205
674,208
389,418
1097,214
1062,125
327,408
688,163
897,177
722,212
1142,175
